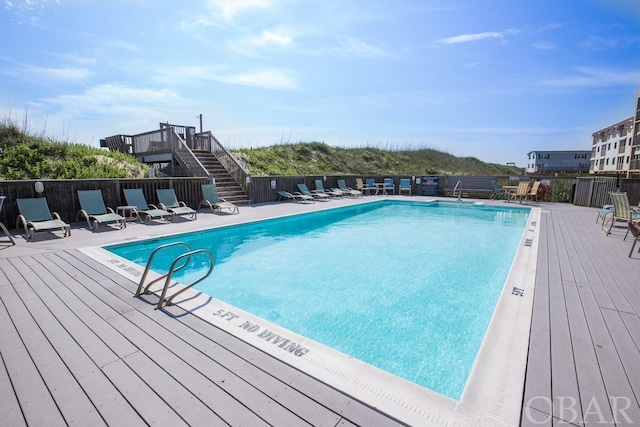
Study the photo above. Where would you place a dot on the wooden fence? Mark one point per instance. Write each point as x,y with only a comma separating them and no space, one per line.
62,195
594,191
63,198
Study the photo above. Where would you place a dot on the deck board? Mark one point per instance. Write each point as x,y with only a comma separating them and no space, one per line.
76,347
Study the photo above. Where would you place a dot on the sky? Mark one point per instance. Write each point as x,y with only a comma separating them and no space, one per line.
491,79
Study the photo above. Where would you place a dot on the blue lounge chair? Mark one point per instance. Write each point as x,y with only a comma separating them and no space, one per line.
323,197
388,186
169,202
497,191
135,198
216,203
36,216
342,186
95,212
405,185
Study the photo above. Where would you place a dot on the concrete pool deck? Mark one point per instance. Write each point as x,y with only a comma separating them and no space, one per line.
59,307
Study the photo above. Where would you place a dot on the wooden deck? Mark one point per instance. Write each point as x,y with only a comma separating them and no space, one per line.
77,348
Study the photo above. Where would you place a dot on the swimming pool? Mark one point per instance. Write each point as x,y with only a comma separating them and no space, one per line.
408,287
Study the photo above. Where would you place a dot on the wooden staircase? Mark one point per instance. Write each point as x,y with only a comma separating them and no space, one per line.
228,188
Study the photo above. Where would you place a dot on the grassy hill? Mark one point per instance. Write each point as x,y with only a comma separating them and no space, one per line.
24,156
317,158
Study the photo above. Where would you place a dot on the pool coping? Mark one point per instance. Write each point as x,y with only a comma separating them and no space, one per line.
492,395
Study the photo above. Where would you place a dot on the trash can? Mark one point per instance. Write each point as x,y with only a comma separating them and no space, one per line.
429,185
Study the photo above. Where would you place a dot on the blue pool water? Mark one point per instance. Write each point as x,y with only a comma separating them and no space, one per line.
408,287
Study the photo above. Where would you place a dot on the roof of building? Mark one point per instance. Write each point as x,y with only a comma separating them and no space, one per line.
613,127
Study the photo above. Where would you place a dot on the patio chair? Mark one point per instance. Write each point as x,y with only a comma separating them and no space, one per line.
634,228
135,198
388,185
323,197
169,202
3,228
520,193
405,185
497,191
92,209
331,192
603,212
342,186
621,211
371,184
532,193
360,186
216,203
36,216
296,197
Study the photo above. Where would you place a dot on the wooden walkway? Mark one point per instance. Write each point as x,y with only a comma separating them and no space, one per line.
77,348
584,359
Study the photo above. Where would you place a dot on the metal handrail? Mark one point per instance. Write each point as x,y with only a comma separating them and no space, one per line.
455,188
188,255
146,270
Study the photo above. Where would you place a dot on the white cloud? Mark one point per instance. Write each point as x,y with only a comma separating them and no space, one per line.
271,38
271,78
50,74
594,77
228,9
544,46
466,38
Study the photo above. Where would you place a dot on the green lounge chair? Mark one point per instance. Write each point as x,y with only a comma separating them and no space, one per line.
135,198
92,209
342,186
323,197
215,203
296,197
169,202
621,211
36,216
331,192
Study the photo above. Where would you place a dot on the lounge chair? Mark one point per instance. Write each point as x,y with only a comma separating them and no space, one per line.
634,228
405,185
323,197
497,191
92,209
388,186
3,228
621,211
520,193
36,216
296,197
216,203
135,198
360,186
169,202
342,186
331,192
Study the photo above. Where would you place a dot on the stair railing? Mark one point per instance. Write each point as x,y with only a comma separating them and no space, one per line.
235,169
186,158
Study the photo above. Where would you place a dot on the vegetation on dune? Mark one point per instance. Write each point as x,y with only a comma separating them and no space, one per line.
317,158
26,156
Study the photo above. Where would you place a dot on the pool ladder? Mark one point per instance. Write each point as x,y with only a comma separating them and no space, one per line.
185,258
458,184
